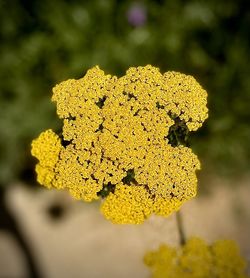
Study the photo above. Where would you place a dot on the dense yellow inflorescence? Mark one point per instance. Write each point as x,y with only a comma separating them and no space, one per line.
46,148
115,141
196,259
129,202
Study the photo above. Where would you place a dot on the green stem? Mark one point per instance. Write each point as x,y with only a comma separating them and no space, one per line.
180,228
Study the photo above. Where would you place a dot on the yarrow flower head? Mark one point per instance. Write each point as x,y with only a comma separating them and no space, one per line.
196,259
123,140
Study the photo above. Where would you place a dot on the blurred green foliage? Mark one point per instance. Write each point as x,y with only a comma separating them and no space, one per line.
45,42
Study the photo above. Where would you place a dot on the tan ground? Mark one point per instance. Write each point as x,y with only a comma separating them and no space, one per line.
84,244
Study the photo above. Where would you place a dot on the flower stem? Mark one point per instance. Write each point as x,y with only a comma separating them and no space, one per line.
180,228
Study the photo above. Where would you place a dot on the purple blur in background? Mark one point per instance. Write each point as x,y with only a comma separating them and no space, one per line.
137,14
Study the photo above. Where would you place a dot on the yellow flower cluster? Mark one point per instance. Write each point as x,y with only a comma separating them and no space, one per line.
46,148
196,259
115,141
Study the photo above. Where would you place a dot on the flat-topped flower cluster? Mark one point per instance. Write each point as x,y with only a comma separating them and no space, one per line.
116,141
196,259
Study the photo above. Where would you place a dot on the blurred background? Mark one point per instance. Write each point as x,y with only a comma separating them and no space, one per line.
46,42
